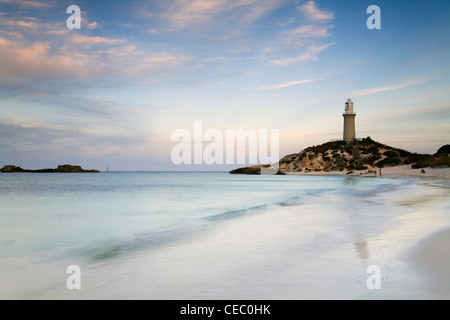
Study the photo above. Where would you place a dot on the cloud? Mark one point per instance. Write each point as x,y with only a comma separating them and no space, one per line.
90,25
28,3
38,61
83,107
220,60
187,12
310,31
261,9
31,27
41,140
26,63
287,84
19,60
36,54
57,32
19,23
310,36
310,54
384,89
310,10
94,40
194,13
303,35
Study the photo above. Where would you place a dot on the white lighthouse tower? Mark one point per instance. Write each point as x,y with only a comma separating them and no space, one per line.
349,121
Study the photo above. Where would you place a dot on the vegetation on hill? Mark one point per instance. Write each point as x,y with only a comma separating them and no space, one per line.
364,154
444,150
441,159
361,154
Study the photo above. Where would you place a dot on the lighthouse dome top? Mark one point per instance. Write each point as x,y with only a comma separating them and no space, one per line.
349,106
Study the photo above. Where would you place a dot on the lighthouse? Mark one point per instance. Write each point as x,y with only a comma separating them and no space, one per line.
349,121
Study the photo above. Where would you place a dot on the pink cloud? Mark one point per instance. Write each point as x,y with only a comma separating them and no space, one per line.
94,40
90,25
200,12
28,3
313,13
310,31
36,60
19,23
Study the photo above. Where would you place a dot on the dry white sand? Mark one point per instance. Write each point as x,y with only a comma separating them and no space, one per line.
407,171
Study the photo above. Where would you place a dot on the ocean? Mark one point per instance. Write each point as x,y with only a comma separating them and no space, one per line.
211,235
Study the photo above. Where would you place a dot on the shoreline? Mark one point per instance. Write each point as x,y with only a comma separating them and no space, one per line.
417,246
430,256
390,172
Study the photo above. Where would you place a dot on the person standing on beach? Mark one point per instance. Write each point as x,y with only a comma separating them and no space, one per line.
380,171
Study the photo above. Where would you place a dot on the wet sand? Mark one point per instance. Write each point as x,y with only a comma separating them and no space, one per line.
419,247
432,256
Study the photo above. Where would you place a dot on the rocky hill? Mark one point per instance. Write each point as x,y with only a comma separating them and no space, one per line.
361,154
441,159
66,168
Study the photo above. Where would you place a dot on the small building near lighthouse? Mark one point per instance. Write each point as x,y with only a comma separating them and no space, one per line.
349,121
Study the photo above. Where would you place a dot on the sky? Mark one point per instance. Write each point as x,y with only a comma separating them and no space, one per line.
112,93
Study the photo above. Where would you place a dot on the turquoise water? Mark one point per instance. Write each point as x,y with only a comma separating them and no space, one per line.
48,221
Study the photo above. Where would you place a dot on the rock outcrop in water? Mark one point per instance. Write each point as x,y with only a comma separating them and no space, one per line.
364,154
256,170
66,168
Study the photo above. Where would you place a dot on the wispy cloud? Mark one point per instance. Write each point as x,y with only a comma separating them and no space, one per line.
28,3
194,13
287,84
94,40
90,25
310,31
55,142
300,36
304,42
310,10
24,23
311,53
220,60
31,27
384,89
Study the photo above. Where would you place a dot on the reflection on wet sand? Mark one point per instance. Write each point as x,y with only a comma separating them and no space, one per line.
436,194
362,249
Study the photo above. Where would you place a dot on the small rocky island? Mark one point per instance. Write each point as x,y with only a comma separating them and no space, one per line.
66,168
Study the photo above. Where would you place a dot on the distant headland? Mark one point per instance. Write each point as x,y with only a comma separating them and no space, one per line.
350,154
356,155
66,168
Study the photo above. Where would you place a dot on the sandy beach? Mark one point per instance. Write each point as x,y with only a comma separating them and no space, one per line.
432,256
420,243
313,238
407,171
390,172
